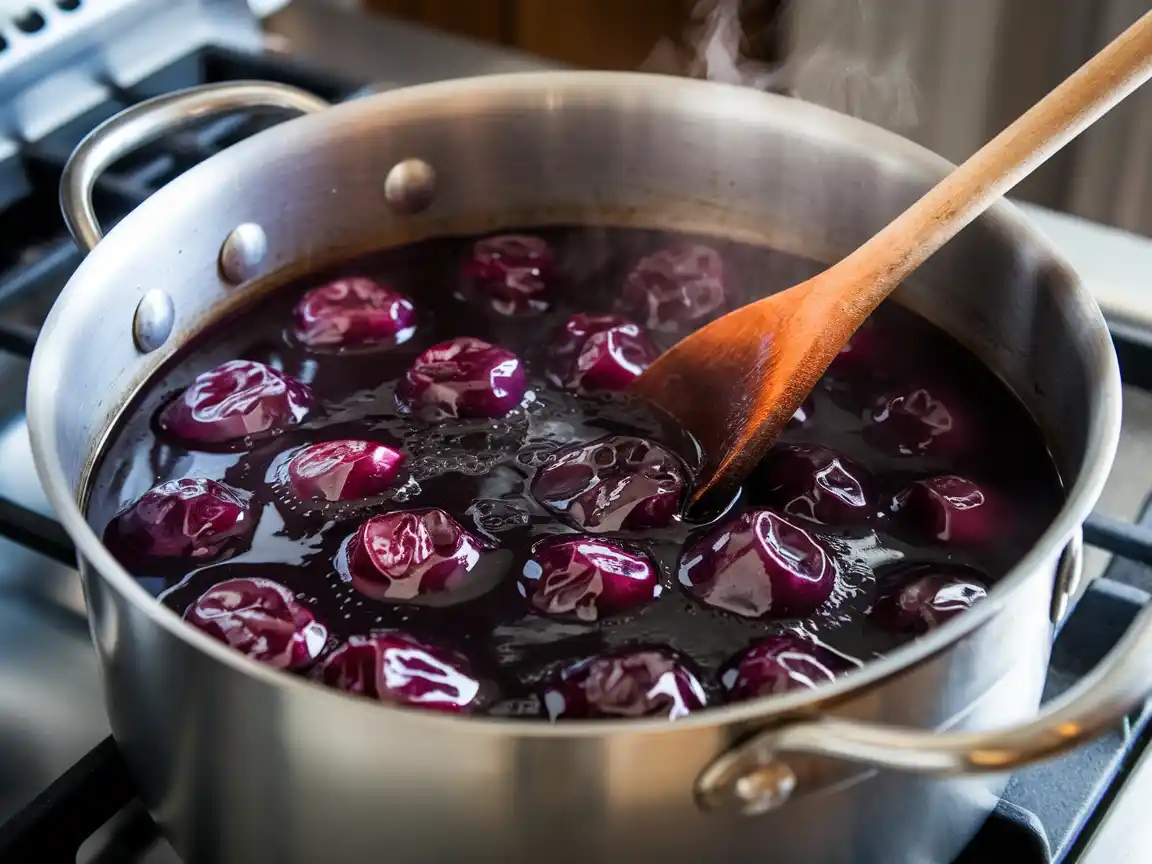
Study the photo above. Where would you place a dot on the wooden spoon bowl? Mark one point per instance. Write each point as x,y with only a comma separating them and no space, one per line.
736,383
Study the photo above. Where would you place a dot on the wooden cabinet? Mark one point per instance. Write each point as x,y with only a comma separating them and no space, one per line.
481,19
602,34
606,34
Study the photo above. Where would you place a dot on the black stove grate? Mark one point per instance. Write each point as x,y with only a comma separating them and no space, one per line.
37,256
1048,811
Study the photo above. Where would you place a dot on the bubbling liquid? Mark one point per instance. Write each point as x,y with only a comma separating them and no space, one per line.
439,494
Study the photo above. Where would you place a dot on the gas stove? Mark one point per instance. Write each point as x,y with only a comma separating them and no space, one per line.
64,793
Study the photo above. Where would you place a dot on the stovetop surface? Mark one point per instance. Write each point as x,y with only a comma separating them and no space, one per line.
60,776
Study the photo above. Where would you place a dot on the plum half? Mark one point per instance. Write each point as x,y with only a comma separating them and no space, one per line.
353,312
646,682
401,669
463,378
617,483
344,470
262,620
780,664
512,272
759,565
190,517
587,577
409,554
676,288
600,352
233,401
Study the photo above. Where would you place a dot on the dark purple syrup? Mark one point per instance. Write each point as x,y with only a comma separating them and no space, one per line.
906,403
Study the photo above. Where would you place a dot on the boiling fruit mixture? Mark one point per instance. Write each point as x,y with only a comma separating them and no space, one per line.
420,479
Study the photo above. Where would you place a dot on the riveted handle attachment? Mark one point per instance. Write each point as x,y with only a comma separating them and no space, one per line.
757,776
142,124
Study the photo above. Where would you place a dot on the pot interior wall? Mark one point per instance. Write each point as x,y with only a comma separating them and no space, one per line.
586,148
201,728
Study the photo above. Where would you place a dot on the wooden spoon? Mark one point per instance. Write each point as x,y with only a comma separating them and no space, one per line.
759,362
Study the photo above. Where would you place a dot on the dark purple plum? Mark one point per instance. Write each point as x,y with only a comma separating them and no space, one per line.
815,483
924,596
512,272
916,422
400,669
618,483
236,399
463,378
408,554
870,352
636,683
950,510
587,577
759,565
187,518
676,288
344,470
779,664
600,352
261,619
353,312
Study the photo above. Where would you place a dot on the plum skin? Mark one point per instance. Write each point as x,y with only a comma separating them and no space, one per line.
353,312
681,285
616,483
512,272
587,577
815,483
780,664
918,421
398,668
262,620
189,516
407,554
462,378
759,565
921,597
233,401
628,683
950,510
343,470
600,352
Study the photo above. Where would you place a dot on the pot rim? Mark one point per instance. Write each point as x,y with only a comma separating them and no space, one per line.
1101,441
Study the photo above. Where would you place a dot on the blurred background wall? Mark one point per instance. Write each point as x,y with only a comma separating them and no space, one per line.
603,34
947,73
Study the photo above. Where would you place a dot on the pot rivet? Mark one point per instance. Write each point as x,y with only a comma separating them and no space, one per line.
765,788
410,186
243,252
152,324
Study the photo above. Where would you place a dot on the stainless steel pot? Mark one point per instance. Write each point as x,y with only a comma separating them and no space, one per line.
239,763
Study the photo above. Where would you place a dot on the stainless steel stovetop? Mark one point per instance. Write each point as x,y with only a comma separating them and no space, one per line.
51,710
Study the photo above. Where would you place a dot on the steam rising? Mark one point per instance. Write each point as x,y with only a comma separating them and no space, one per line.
854,56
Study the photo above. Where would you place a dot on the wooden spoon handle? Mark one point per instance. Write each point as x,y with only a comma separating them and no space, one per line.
883,262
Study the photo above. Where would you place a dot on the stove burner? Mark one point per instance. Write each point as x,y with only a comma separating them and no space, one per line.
1049,811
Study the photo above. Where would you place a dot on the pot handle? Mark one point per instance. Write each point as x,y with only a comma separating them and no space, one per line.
142,124
756,775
